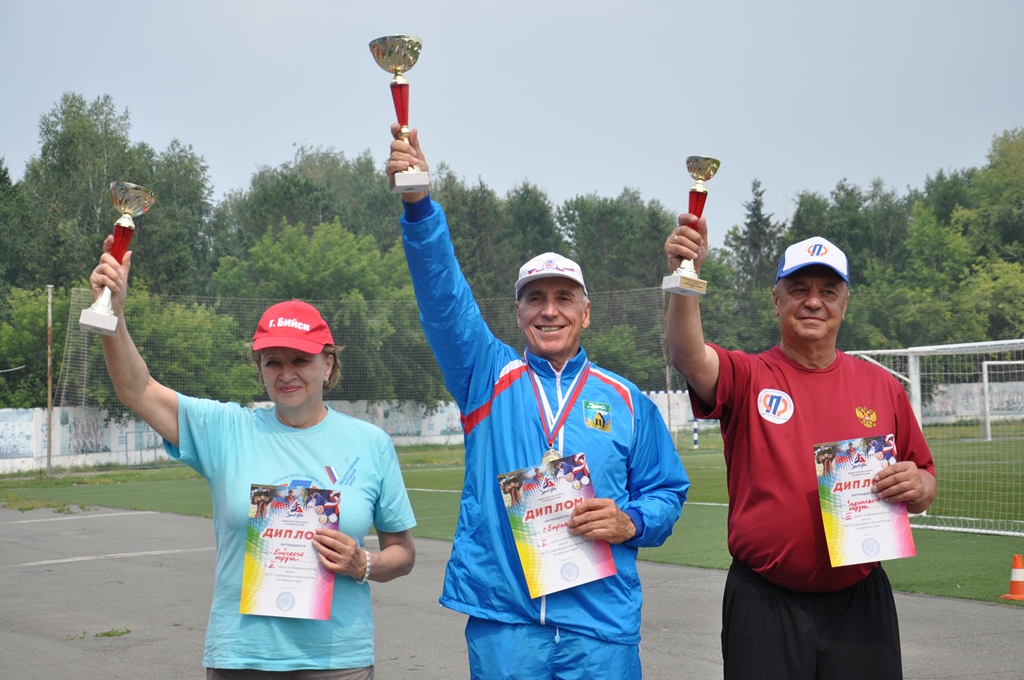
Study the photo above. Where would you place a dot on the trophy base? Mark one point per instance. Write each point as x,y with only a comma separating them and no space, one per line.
678,284
410,182
97,322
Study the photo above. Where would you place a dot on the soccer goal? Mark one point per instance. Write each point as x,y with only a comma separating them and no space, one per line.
969,399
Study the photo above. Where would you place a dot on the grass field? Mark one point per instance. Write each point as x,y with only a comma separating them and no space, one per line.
979,478
949,563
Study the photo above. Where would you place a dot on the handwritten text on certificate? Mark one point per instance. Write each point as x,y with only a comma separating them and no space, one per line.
539,501
858,526
283,575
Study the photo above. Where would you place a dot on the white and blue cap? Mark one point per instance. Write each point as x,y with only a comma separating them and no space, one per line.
815,250
550,264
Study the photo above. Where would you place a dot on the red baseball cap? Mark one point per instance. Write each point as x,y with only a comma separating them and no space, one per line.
293,324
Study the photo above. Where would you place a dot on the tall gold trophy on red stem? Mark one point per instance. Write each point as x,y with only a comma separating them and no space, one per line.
397,54
684,281
130,200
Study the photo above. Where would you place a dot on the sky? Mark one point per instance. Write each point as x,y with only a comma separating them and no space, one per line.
575,97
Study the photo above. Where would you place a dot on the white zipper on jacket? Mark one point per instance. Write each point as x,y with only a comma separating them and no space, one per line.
551,418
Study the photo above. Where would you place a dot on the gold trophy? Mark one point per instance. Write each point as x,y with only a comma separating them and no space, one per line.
130,200
397,54
684,281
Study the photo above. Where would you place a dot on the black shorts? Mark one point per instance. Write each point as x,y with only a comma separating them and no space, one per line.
772,632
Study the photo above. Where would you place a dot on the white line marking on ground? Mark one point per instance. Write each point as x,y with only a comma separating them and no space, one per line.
87,558
109,514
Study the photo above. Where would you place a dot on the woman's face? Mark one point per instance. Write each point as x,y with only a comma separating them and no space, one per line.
294,379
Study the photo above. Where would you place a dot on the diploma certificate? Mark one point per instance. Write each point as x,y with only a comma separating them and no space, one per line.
539,501
283,575
858,526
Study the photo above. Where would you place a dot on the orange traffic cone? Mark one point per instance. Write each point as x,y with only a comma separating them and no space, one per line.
1016,580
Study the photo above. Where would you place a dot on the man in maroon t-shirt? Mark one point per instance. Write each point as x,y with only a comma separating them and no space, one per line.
787,612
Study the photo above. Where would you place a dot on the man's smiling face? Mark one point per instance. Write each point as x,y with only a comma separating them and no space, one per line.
552,312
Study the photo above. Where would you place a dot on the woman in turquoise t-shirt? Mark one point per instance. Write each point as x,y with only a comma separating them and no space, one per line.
309,468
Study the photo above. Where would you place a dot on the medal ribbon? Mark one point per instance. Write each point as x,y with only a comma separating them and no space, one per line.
553,424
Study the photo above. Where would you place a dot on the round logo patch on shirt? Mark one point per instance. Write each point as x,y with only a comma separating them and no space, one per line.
775,406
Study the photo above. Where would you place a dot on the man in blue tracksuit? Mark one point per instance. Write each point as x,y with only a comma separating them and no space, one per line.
519,409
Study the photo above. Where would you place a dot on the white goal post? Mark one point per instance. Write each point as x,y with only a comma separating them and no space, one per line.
986,395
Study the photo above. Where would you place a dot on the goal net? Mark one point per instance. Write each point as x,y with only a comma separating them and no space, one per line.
969,399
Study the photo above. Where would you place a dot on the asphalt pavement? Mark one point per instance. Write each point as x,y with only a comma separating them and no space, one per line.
107,594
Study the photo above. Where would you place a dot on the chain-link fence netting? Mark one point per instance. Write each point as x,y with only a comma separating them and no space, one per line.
971,402
198,346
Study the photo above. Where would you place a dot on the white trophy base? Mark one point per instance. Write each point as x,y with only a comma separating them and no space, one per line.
410,182
97,322
680,284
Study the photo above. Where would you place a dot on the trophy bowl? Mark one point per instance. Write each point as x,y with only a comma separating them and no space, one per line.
131,199
702,168
396,54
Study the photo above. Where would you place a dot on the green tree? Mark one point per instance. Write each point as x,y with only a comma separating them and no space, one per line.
998,289
23,342
755,248
810,217
531,224
359,191
926,299
318,186
870,227
83,147
172,242
997,224
288,263
618,242
15,235
939,256
477,223
944,193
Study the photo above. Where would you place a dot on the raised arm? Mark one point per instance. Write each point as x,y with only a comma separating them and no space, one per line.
452,323
135,387
683,331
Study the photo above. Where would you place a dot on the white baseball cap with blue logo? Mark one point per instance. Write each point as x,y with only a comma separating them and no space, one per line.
550,264
815,250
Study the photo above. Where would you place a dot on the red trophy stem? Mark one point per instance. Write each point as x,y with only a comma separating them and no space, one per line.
697,200
122,237
400,95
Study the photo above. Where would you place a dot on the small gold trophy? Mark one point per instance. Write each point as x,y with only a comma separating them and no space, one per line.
397,54
684,281
130,200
